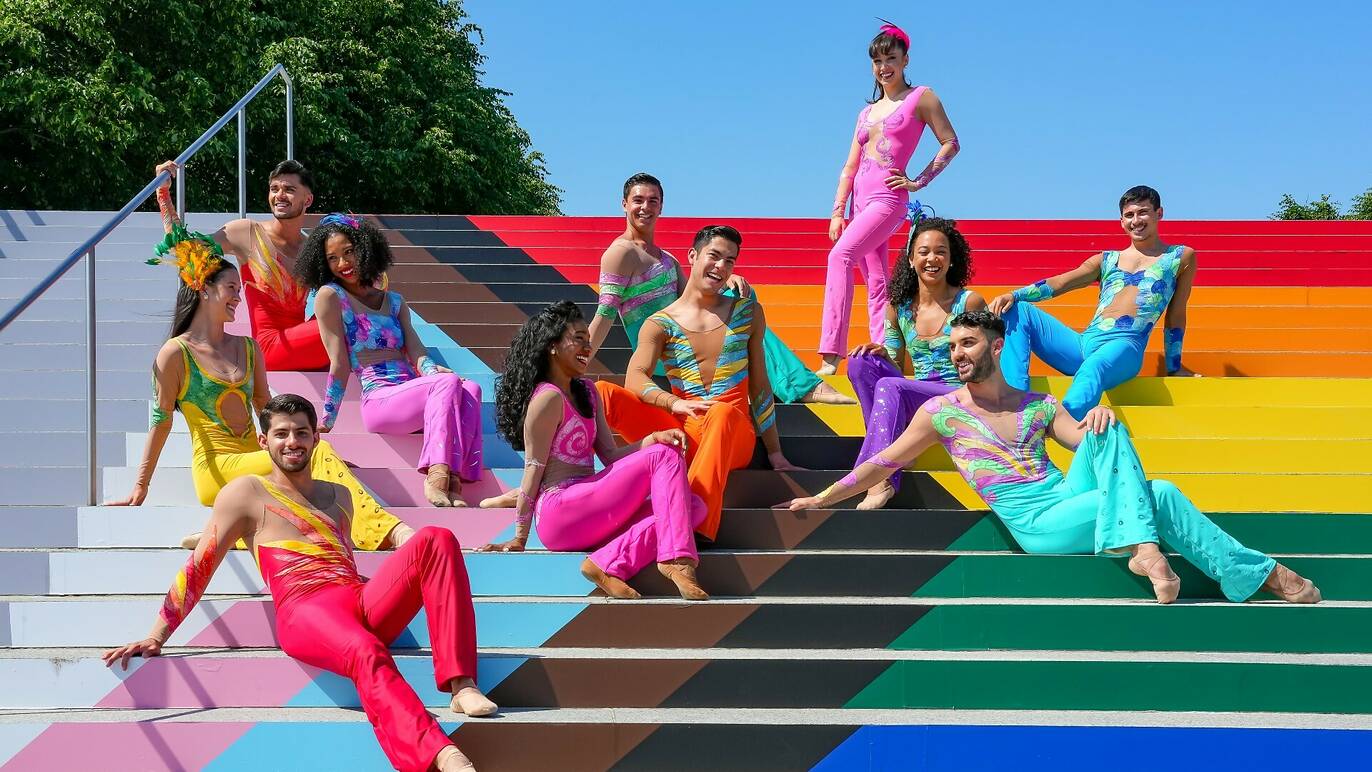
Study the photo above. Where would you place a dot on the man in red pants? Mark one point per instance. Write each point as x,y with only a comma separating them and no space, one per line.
326,615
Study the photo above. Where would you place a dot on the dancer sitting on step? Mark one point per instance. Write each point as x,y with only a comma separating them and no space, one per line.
368,332
1137,287
638,510
638,278
266,255
711,345
997,434
929,289
887,132
327,616
216,380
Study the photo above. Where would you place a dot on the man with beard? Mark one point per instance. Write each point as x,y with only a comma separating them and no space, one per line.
996,437
266,253
711,346
326,615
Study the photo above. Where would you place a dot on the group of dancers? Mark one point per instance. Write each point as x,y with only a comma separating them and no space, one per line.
287,496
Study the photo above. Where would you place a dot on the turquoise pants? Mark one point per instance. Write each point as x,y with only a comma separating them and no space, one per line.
1105,504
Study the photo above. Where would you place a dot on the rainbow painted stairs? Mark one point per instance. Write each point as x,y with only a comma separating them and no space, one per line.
917,637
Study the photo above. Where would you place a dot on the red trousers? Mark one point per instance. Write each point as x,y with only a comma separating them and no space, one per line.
718,442
347,629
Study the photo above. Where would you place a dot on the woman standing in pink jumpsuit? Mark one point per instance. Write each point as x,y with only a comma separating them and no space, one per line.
888,130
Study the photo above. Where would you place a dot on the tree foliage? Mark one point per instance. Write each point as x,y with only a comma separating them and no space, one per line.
1324,209
390,112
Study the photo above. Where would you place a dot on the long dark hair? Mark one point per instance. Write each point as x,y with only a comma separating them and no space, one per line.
188,300
370,247
526,365
904,286
881,45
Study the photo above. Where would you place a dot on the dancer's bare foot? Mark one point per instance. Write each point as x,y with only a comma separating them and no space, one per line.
610,585
830,366
450,759
455,491
878,496
827,395
1148,561
1291,586
469,700
682,572
506,500
436,486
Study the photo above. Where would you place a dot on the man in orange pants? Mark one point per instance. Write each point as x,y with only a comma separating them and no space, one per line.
711,347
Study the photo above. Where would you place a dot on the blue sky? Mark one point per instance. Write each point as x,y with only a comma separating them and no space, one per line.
746,108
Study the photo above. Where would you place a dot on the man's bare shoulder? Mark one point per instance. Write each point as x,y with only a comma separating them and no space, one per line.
241,495
624,257
237,235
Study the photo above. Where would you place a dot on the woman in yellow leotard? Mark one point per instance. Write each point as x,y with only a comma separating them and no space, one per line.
217,381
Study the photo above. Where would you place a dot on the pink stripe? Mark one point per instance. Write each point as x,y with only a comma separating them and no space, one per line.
245,623
211,682
133,747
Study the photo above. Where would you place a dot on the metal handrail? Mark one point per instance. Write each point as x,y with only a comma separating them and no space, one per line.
87,248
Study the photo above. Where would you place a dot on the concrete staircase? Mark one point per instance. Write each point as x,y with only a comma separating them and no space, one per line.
917,637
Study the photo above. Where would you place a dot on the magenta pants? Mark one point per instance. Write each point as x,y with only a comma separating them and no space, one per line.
877,213
636,511
447,408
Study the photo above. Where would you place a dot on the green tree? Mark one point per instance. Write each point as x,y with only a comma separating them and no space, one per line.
1361,208
1324,209
390,112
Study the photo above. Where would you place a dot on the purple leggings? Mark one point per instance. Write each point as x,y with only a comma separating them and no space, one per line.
446,407
889,401
636,511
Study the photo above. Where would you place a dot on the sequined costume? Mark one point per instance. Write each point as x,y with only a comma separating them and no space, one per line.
219,453
398,400
1103,504
635,298
1111,349
877,211
276,309
637,511
889,400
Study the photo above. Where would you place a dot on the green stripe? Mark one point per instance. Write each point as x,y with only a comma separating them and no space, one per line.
1167,686
1085,576
1200,627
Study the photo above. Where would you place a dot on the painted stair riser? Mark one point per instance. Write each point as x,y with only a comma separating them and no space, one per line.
1112,626
977,575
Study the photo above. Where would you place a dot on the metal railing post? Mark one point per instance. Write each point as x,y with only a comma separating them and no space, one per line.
243,163
181,191
290,115
92,435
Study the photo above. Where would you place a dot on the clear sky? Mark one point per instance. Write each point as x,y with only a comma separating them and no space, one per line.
747,108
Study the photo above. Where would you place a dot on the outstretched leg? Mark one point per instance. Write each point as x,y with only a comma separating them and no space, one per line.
1030,330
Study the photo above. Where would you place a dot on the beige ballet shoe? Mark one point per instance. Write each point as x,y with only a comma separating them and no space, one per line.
191,541
436,486
830,367
610,585
682,572
468,700
878,496
1167,587
827,395
1291,586
450,759
400,534
455,491
506,500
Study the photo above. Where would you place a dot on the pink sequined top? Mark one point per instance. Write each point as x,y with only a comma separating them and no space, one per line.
897,136
574,443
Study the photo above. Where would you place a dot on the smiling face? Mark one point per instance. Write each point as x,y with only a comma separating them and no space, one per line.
974,355
287,197
930,257
342,257
643,205
889,68
713,264
220,298
571,354
289,440
1140,220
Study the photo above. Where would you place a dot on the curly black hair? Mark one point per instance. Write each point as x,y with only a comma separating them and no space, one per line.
904,286
371,249
526,365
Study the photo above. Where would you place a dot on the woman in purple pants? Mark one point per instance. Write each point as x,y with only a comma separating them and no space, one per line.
928,290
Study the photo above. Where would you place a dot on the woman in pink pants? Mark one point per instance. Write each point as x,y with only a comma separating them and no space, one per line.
637,511
888,129
367,331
